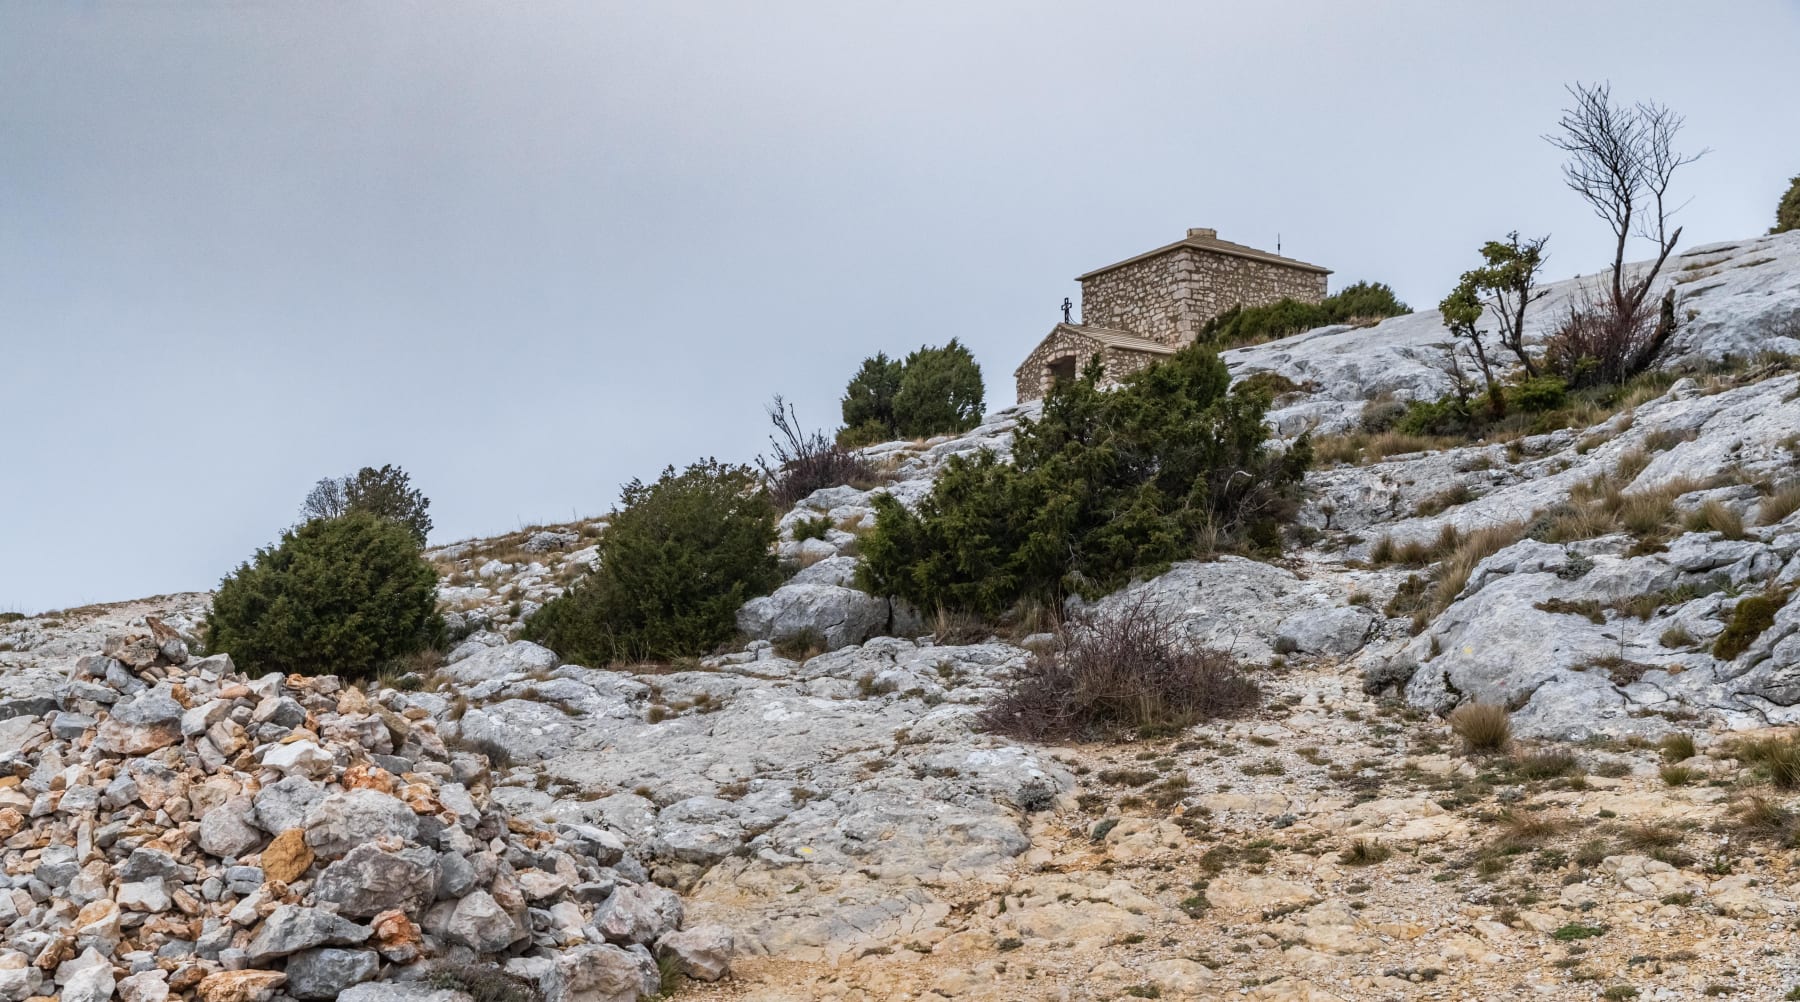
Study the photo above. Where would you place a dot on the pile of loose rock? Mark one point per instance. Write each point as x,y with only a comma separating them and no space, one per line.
169,827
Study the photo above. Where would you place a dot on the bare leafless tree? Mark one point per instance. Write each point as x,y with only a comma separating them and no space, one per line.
325,500
385,493
1621,161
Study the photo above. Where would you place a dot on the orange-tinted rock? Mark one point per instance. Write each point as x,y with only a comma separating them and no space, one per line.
287,857
363,776
421,799
239,986
397,937
186,977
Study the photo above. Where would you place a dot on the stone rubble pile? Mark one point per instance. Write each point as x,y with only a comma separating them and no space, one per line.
171,828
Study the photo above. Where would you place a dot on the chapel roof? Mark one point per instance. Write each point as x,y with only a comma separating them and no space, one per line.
1207,240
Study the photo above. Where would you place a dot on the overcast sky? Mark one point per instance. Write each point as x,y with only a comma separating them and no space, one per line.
531,251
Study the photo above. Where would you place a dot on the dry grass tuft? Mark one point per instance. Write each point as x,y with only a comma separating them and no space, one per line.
1759,818
1483,727
1713,516
1365,852
1471,549
1783,501
1779,757
1677,748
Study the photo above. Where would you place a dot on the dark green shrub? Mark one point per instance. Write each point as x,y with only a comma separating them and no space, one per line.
867,433
869,399
1104,484
1444,416
1363,301
1243,325
385,493
935,391
1539,394
1749,619
812,528
1127,674
940,392
1787,213
336,596
677,561
1269,383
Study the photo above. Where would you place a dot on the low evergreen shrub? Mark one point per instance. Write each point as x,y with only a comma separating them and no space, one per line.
1752,616
1787,212
1103,485
1443,416
1538,395
676,562
869,399
940,392
1358,303
338,596
935,391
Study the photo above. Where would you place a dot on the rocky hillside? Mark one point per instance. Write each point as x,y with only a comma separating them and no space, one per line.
838,813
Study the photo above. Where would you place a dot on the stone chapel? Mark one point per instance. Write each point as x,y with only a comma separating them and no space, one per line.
1143,308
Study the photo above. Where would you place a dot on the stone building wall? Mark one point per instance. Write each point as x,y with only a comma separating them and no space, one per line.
1169,297
1034,376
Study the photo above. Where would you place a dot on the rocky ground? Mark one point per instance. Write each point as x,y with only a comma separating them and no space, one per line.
840,815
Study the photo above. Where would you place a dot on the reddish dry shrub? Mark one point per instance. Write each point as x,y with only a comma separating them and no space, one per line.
807,461
1598,344
1129,673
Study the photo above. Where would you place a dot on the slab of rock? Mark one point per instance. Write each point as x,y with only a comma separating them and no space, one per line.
226,832
87,978
702,952
1332,631
343,821
368,881
300,758
285,803
140,725
518,658
479,923
602,972
144,986
291,928
835,615
326,972
640,913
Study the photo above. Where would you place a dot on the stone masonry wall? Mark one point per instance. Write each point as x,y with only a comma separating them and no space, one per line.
1033,377
1169,297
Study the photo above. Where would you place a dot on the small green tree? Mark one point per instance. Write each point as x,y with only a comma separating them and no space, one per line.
1506,286
337,596
1462,310
1104,484
869,399
385,493
676,562
933,392
1787,213
940,392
